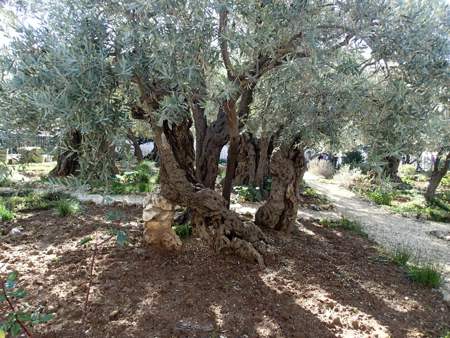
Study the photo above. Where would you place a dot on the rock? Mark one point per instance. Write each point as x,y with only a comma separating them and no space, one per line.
315,207
16,232
186,325
355,324
158,218
50,251
113,314
337,321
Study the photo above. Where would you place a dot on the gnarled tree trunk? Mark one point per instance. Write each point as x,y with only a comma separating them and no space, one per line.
390,170
136,147
436,176
209,147
68,161
253,160
287,167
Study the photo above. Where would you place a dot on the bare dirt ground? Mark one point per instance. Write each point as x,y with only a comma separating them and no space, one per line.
318,283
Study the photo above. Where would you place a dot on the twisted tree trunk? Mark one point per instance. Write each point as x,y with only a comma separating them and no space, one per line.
136,147
437,175
287,167
390,170
68,161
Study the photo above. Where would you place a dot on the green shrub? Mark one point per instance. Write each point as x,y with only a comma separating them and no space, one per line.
427,275
5,173
144,178
31,155
407,170
67,207
401,256
353,159
183,230
248,193
346,224
5,213
381,197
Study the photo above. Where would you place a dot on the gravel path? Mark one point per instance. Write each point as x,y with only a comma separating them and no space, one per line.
388,229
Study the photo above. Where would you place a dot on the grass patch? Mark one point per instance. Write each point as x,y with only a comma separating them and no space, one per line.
427,275
5,213
183,230
345,224
401,256
313,195
67,207
380,197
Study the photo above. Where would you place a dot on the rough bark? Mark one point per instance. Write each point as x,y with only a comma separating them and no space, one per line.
287,167
221,227
436,176
68,161
253,160
390,170
208,150
136,147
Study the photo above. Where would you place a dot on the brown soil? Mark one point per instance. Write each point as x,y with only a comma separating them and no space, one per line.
318,283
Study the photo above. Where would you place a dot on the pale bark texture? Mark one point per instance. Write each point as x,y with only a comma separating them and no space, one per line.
287,167
437,174
158,218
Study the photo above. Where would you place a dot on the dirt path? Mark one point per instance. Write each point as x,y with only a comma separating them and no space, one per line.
388,229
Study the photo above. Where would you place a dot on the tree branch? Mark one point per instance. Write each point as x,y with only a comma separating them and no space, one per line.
223,22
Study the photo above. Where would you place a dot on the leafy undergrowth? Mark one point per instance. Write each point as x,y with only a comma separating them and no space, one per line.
407,197
312,199
318,283
144,178
246,193
426,274
183,230
67,207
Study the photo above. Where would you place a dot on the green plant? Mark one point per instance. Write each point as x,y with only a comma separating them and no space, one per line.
401,256
5,213
381,197
143,179
183,230
19,317
427,275
248,193
407,170
353,159
67,207
346,224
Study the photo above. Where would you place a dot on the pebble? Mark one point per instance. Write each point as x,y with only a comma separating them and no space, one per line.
16,232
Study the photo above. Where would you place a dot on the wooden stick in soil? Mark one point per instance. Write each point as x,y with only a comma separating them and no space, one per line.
91,272
22,325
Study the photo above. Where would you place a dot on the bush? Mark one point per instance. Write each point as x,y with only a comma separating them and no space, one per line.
183,230
248,193
67,207
5,213
143,179
353,159
407,170
346,176
321,167
427,275
5,173
380,197
31,155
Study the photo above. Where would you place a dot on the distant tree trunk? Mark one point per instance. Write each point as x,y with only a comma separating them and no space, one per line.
390,170
137,148
287,167
68,161
437,175
208,147
253,160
